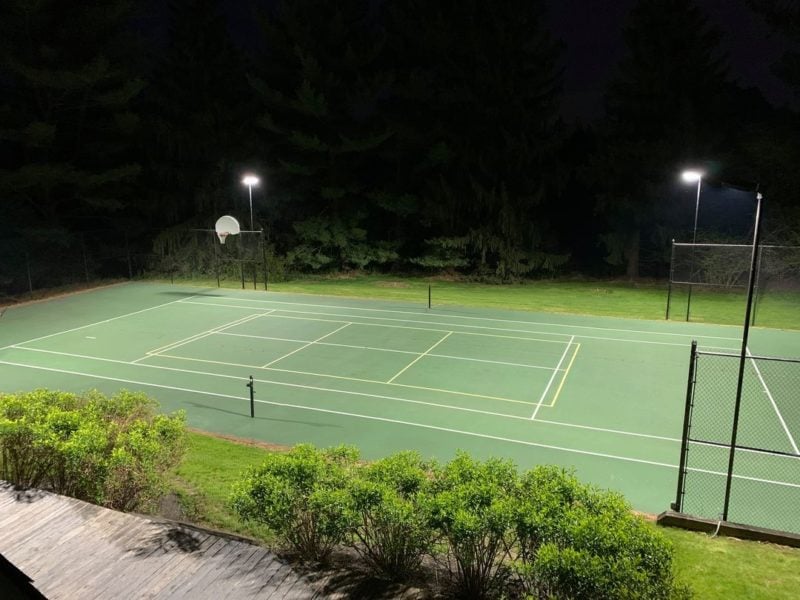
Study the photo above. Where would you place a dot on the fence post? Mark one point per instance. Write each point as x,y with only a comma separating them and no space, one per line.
671,272
28,268
128,256
85,260
687,418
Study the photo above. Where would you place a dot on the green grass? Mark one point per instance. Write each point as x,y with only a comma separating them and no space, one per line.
639,300
716,568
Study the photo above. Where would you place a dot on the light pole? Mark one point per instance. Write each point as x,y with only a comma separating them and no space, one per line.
250,181
691,177
743,357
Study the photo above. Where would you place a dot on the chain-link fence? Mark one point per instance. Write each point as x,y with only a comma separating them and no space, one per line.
727,267
744,470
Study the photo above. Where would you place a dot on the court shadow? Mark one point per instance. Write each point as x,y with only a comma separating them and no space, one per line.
260,418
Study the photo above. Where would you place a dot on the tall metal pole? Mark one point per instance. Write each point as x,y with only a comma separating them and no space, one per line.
694,241
743,357
250,190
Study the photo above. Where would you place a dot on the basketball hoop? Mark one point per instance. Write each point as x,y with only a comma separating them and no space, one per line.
226,226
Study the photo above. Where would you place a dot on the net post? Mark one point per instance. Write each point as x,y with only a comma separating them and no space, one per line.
28,269
687,417
429,296
671,273
758,293
252,399
85,260
241,270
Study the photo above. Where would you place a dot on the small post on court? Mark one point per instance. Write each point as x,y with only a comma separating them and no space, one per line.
429,296
252,400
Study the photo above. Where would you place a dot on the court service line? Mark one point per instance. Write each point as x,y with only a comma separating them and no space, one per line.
197,336
348,392
552,378
774,405
495,319
280,358
44,337
394,350
353,415
300,312
409,365
587,337
564,378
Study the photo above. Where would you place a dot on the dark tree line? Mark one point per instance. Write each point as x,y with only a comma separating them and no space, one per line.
394,135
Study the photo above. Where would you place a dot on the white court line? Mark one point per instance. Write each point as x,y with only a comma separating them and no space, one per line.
404,369
44,337
306,346
586,337
552,377
399,422
196,336
495,319
774,405
348,392
482,360
353,415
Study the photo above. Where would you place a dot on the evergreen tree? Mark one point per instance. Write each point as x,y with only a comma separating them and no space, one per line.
199,112
666,108
66,122
318,83
474,116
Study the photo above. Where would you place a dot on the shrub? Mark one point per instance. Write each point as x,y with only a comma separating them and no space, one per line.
302,497
74,444
579,542
473,506
391,529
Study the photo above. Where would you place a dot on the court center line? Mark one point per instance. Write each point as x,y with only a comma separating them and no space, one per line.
394,350
774,405
409,365
306,346
494,319
564,378
44,337
353,415
345,392
552,378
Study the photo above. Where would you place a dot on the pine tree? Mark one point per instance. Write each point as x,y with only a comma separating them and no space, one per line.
666,108
474,113
66,121
199,112
318,83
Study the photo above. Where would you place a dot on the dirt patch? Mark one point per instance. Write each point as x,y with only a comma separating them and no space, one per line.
243,441
44,295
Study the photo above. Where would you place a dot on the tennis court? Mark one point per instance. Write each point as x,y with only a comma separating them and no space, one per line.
602,395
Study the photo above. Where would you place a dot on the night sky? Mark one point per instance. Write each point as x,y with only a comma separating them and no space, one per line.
592,32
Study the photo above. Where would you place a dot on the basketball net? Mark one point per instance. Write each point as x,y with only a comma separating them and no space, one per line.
222,235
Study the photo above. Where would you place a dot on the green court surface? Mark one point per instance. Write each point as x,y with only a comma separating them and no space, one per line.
602,395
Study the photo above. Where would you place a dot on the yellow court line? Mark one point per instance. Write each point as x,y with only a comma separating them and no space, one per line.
564,377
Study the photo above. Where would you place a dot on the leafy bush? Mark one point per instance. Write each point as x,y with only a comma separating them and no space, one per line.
302,497
474,506
391,530
579,542
74,445
542,533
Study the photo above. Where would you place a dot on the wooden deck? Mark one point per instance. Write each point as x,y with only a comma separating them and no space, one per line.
73,550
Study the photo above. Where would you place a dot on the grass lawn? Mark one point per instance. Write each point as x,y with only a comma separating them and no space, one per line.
638,300
716,568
